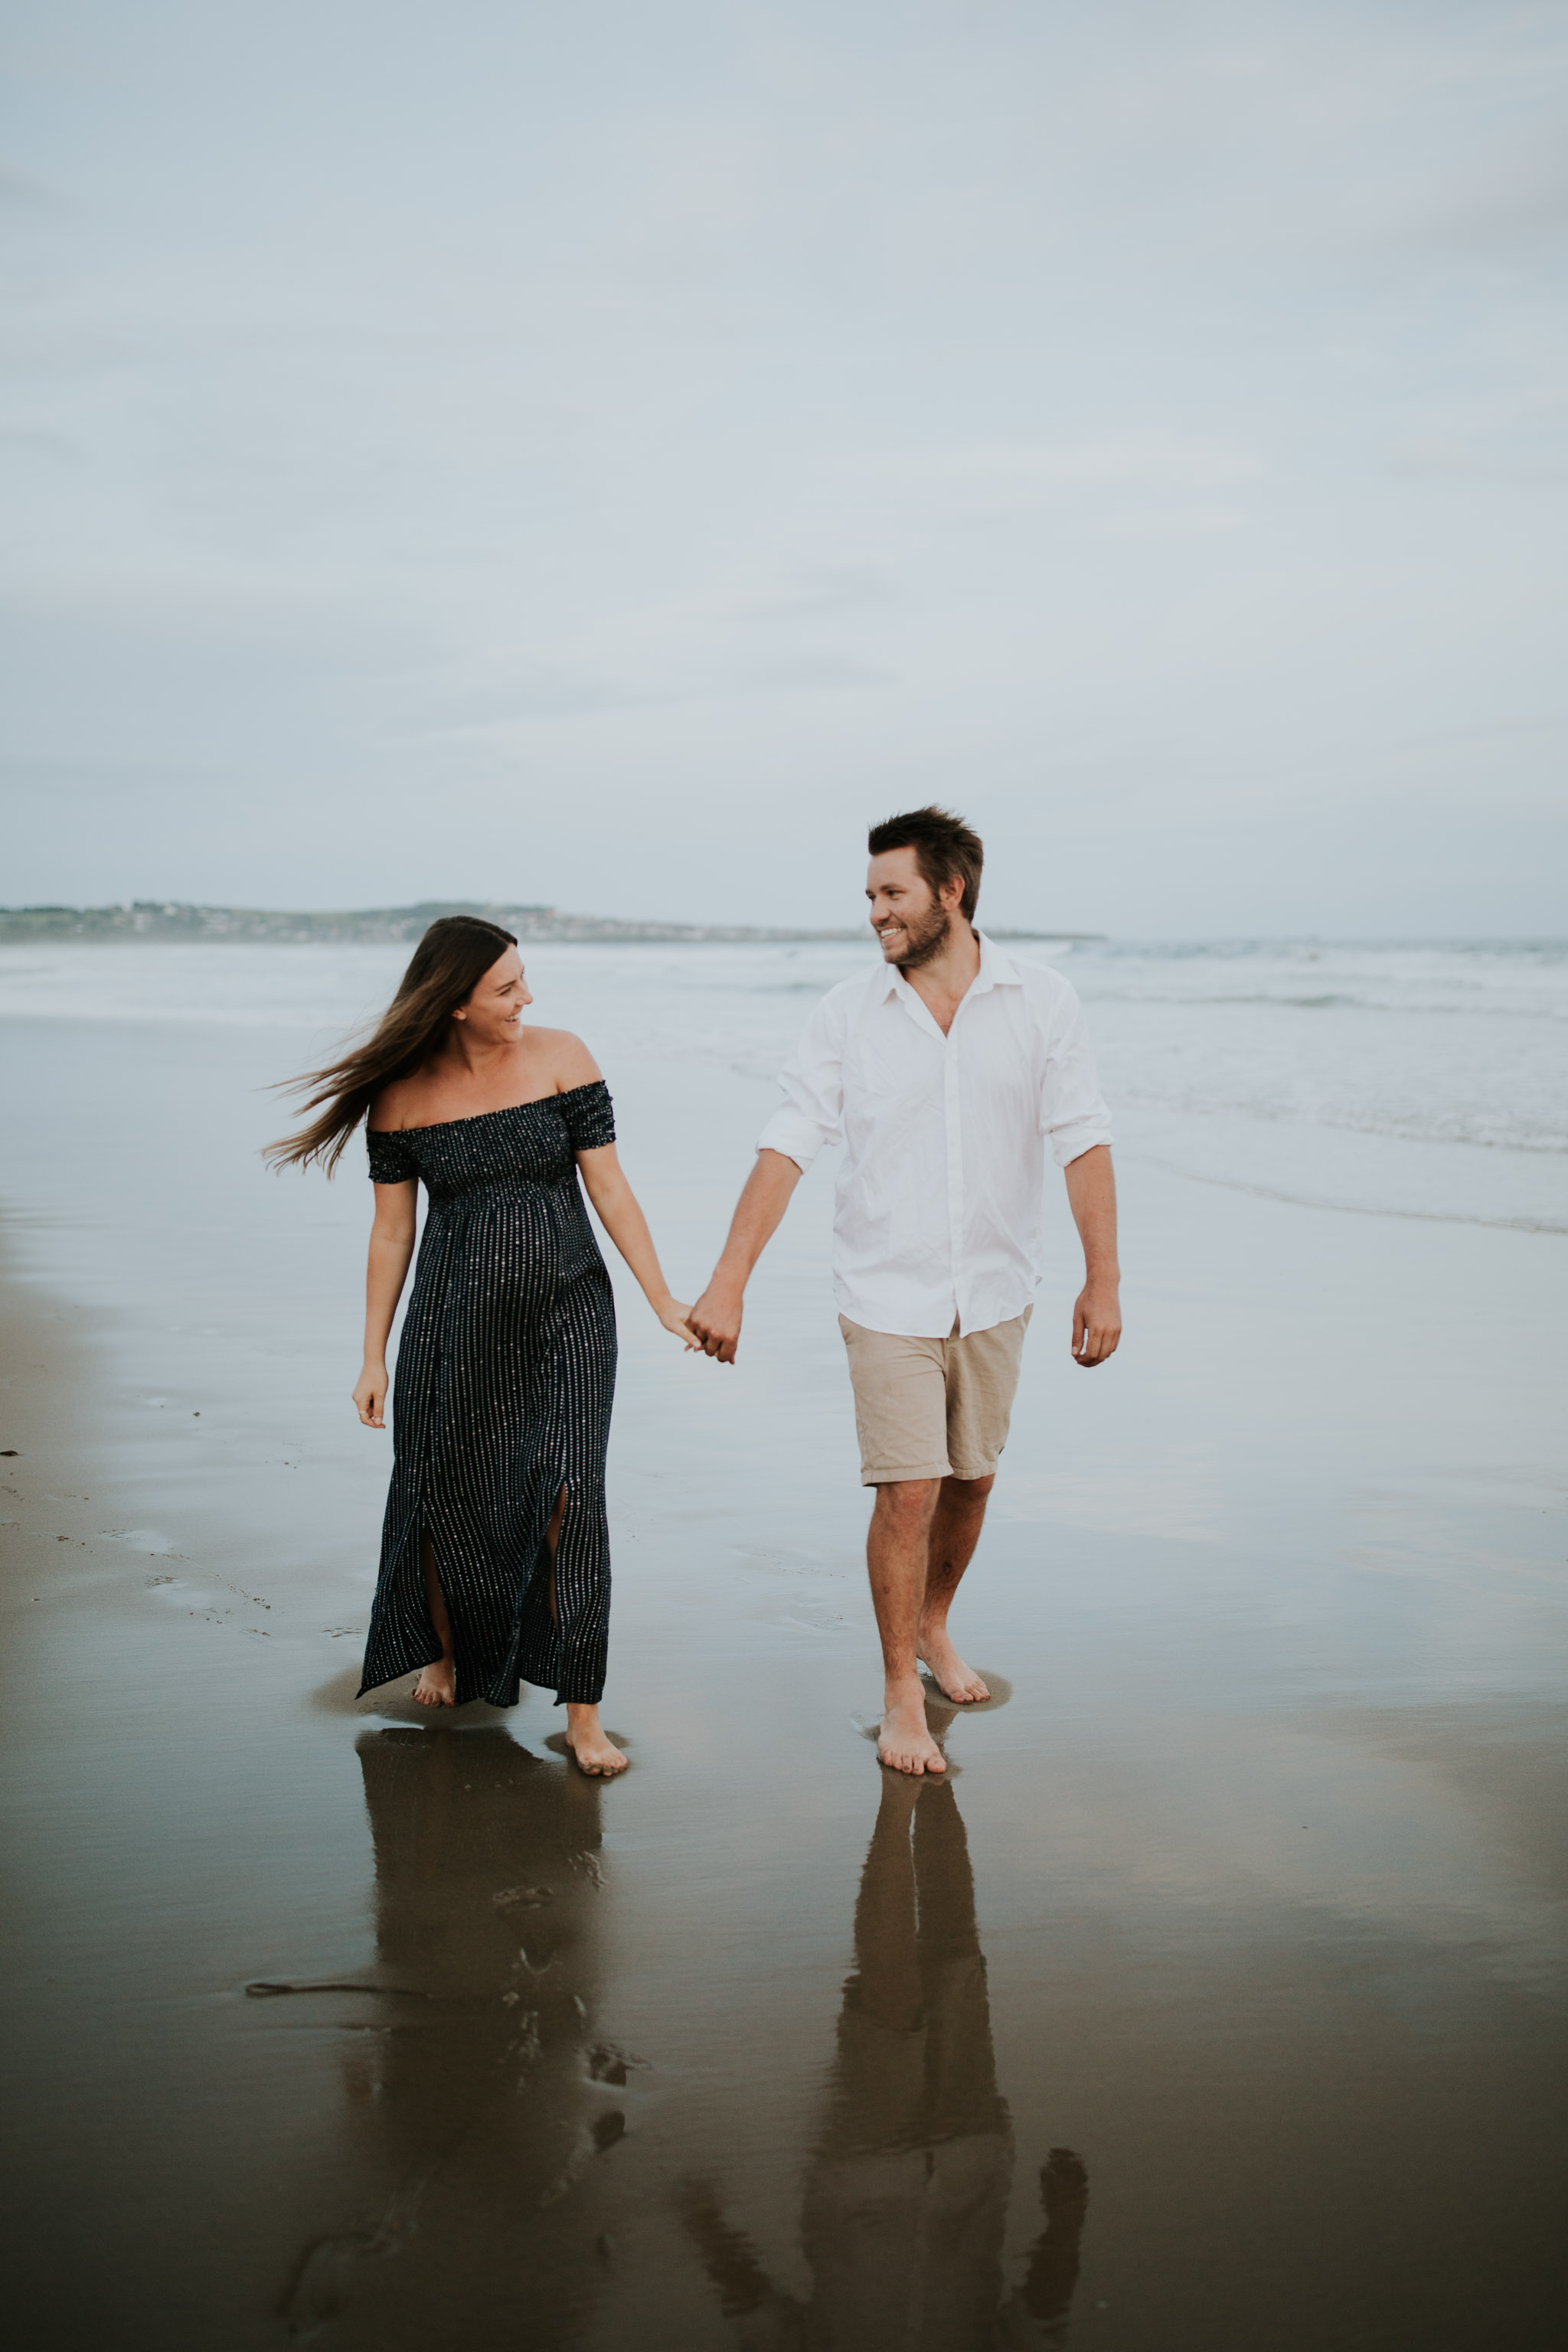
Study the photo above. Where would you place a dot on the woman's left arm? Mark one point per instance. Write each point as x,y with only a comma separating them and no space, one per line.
623,1220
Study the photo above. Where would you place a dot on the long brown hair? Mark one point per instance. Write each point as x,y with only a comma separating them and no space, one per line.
445,968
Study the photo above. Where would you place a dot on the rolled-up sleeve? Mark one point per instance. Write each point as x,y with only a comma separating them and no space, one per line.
1073,1111
811,1084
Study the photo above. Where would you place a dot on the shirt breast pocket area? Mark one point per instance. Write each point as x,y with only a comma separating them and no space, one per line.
1003,1070
885,1088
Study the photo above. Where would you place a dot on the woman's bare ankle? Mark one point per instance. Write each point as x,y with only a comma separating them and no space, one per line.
437,1684
590,1743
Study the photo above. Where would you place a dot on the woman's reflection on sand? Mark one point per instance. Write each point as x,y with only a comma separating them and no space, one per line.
906,2202
482,2090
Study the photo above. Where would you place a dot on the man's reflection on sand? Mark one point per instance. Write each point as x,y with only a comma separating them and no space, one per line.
475,2074
906,2202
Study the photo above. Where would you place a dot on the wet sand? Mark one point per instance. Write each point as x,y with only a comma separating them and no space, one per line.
1217,2000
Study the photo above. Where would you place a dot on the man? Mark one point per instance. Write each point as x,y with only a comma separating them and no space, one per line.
944,1072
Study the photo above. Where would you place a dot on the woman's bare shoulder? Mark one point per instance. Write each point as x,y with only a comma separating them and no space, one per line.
392,1108
566,1059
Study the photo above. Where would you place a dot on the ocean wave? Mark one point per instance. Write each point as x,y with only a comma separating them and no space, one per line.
1305,1198
1539,1009
1525,979
1447,1122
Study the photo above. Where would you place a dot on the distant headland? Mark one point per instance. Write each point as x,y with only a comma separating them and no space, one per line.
156,919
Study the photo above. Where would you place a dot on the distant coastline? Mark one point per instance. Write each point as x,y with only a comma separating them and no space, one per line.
157,919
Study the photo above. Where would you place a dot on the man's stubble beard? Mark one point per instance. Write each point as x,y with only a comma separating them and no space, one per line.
926,941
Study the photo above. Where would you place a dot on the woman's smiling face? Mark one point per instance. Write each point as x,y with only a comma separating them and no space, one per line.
492,1015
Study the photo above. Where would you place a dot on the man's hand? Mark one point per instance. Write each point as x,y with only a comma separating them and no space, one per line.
1096,1323
716,1320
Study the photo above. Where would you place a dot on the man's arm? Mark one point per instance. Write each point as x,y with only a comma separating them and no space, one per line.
1092,1196
716,1318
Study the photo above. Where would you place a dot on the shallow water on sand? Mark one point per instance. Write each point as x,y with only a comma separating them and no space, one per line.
1217,2000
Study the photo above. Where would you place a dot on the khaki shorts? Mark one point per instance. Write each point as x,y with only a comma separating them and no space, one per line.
934,1407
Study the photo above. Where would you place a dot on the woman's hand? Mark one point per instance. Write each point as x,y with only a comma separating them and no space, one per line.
673,1315
369,1395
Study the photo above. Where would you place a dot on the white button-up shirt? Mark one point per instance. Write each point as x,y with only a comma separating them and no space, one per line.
938,1215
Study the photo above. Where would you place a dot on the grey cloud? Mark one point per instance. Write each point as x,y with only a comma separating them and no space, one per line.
1148,460
40,441
823,673
1441,458
1516,212
76,781
23,192
543,694
814,594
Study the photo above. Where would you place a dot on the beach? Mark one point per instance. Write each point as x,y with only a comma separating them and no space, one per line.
1217,2000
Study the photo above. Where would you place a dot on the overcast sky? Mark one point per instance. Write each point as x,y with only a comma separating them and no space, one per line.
607,454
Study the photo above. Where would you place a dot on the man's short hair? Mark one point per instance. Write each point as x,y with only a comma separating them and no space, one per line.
945,850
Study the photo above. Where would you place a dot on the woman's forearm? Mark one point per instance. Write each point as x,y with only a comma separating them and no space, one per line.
619,1213
387,1271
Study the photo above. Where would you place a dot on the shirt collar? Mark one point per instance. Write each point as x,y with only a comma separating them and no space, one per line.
997,969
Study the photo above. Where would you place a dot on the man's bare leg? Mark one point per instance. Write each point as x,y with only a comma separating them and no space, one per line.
898,1551
955,1527
595,1751
438,1685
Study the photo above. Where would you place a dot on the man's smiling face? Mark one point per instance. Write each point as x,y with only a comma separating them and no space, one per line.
906,914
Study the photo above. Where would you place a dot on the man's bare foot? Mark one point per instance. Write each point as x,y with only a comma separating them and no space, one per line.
957,1681
903,1742
595,1751
438,1685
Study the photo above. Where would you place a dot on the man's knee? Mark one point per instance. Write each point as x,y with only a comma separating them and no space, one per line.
968,1490
908,1502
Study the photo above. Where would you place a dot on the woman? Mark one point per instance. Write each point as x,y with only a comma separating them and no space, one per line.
495,1559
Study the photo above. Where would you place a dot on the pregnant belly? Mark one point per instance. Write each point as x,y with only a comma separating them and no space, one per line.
509,1255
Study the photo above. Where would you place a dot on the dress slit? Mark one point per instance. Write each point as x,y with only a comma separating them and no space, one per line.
426,1537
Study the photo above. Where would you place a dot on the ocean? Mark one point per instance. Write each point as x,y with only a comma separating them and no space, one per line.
1427,1080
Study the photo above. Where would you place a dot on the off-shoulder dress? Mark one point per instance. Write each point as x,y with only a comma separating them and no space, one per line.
506,1372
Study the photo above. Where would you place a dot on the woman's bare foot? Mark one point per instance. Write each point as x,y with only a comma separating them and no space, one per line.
904,1743
957,1681
438,1685
595,1751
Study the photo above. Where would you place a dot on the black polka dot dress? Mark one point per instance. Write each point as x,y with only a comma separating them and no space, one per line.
506,1372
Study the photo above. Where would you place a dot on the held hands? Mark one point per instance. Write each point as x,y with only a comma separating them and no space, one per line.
716,1321
370,1396
1096,1323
